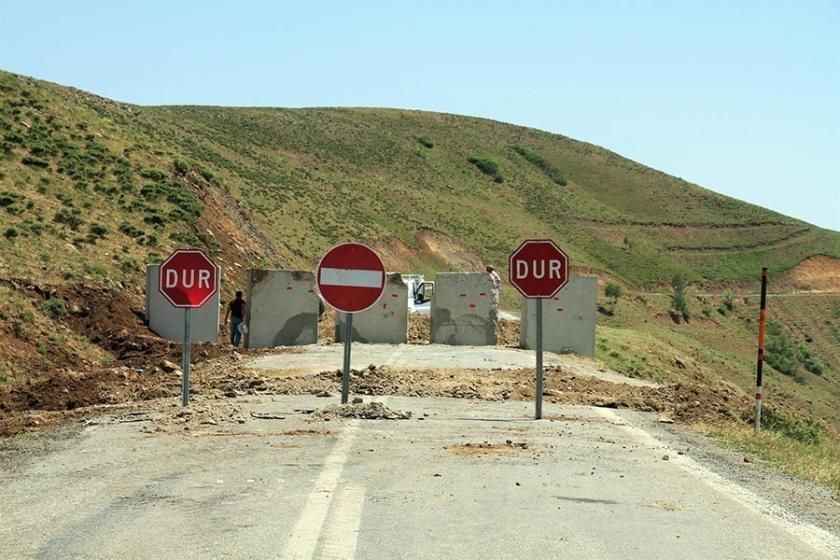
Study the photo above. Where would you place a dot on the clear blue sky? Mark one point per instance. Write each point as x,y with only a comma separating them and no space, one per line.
741,97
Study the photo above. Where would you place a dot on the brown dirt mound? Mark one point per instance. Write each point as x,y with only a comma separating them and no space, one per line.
683,403
507,333
418,329
486,449
449,250
67,389
814,274
63,395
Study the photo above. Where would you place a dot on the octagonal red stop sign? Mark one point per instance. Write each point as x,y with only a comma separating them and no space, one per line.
188,278
538,268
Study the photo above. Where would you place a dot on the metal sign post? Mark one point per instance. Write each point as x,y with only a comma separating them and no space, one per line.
538,413
185,363
188,279
538,269
351,278
762,317
348,340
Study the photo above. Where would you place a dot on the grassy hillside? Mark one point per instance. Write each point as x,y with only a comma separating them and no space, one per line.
92,189
95,173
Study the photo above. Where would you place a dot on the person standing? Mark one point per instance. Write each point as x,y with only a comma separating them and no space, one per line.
236,313
494,276
497,286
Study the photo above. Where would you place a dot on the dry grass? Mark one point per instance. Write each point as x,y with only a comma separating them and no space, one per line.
819,463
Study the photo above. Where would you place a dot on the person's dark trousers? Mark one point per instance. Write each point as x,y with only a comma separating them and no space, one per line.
235,335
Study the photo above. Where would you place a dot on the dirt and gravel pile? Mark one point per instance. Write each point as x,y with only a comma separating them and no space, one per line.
175,418
326,327
362,411
489,449
681,402
38,403
113,320
418,328
507,333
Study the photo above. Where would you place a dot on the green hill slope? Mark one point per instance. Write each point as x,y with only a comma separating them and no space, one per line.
92,189
293,182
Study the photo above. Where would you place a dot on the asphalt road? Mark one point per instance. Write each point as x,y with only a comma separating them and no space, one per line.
583,483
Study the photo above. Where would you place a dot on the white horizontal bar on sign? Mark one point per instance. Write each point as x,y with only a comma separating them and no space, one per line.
351,278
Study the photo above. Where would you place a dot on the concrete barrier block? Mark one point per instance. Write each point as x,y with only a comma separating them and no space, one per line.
386,322
281,309
568,319
168,321
464,310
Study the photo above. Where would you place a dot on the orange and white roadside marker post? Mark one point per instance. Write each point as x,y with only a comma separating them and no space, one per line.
762,318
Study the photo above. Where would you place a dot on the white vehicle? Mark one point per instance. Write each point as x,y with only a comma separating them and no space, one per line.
419,291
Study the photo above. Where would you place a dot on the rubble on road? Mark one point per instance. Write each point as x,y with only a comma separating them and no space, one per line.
363,411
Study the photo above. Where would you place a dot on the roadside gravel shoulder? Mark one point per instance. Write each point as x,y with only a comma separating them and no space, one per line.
807,501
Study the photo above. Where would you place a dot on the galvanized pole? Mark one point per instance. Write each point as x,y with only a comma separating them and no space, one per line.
539,358
348,339
762,317
185,365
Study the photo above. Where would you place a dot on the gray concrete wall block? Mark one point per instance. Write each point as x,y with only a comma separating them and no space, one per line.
464,310
568,319
386,322
282,308
168,321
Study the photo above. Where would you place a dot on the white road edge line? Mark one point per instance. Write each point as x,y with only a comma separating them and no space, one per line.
820,539
342,532
304,537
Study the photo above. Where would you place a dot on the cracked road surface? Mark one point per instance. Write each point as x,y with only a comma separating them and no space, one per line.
460,479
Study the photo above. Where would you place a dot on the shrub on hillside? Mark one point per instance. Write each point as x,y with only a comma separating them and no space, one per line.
612,291
780,352
541,163
9,201
130,230
805,431
488,167
33,161
98,230
54,307
679,303
70,217
729,301
810,361
426,141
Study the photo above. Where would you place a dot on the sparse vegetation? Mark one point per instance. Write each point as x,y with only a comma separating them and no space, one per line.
800,455
679,303
488,167
613,292
426,141
541,163
71,217
55,308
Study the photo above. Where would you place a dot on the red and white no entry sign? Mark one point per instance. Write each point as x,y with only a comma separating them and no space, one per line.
188,278
351,277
